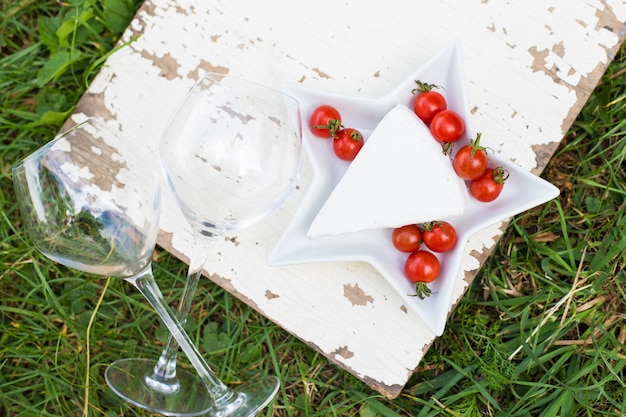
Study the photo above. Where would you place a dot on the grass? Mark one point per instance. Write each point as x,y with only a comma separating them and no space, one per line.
541,331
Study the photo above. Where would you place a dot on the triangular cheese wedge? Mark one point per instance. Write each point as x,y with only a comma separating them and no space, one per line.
399,177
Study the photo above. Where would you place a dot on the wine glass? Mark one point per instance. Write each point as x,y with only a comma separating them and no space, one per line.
88,201
231,154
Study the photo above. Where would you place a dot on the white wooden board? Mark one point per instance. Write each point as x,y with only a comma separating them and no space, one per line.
529,66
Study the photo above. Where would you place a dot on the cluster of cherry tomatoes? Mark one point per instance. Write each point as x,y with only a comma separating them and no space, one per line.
447,127
325,122
422,266
470,164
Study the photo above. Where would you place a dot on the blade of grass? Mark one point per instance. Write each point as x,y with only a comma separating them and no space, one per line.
88,345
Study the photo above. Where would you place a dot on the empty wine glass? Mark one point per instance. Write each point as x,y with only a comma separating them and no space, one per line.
89,202
231,154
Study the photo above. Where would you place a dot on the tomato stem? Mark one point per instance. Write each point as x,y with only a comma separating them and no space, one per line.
500,175
421,290
476,145
424,87
428,227
355,135
333,126
447,147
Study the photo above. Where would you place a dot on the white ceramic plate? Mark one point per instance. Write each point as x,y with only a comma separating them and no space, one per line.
522,191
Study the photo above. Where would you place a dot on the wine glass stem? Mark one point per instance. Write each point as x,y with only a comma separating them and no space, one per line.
165,368
145,283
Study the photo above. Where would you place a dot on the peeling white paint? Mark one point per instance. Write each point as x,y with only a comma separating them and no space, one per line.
526,66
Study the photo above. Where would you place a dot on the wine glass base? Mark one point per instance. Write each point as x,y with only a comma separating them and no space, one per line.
250,398
126,378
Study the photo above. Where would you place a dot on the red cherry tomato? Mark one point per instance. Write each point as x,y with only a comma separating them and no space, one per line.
325,121
488,186
470,162
439,236
421,267
427,102
447,126
347,144
407,238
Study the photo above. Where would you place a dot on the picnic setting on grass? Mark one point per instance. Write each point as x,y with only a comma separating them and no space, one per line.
235,208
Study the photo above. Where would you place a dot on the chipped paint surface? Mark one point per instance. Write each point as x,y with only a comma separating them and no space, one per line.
356,295
529,67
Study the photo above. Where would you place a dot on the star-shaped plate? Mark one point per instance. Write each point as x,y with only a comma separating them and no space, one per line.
522,191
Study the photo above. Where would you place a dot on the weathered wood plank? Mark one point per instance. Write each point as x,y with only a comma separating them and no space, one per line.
530,66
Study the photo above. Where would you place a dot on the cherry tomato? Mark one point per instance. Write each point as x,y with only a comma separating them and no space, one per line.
447,126
470,162
488,186
407,238
427,102
421,267
439,236
348,143
325,121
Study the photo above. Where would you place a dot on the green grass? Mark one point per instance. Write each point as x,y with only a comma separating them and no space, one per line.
541,331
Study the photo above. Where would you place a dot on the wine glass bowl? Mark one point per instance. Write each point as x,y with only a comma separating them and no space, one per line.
86,209
231,152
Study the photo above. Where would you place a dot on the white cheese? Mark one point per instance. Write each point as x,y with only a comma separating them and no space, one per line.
400,176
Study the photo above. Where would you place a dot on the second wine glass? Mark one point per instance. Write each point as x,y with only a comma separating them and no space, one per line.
231,154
